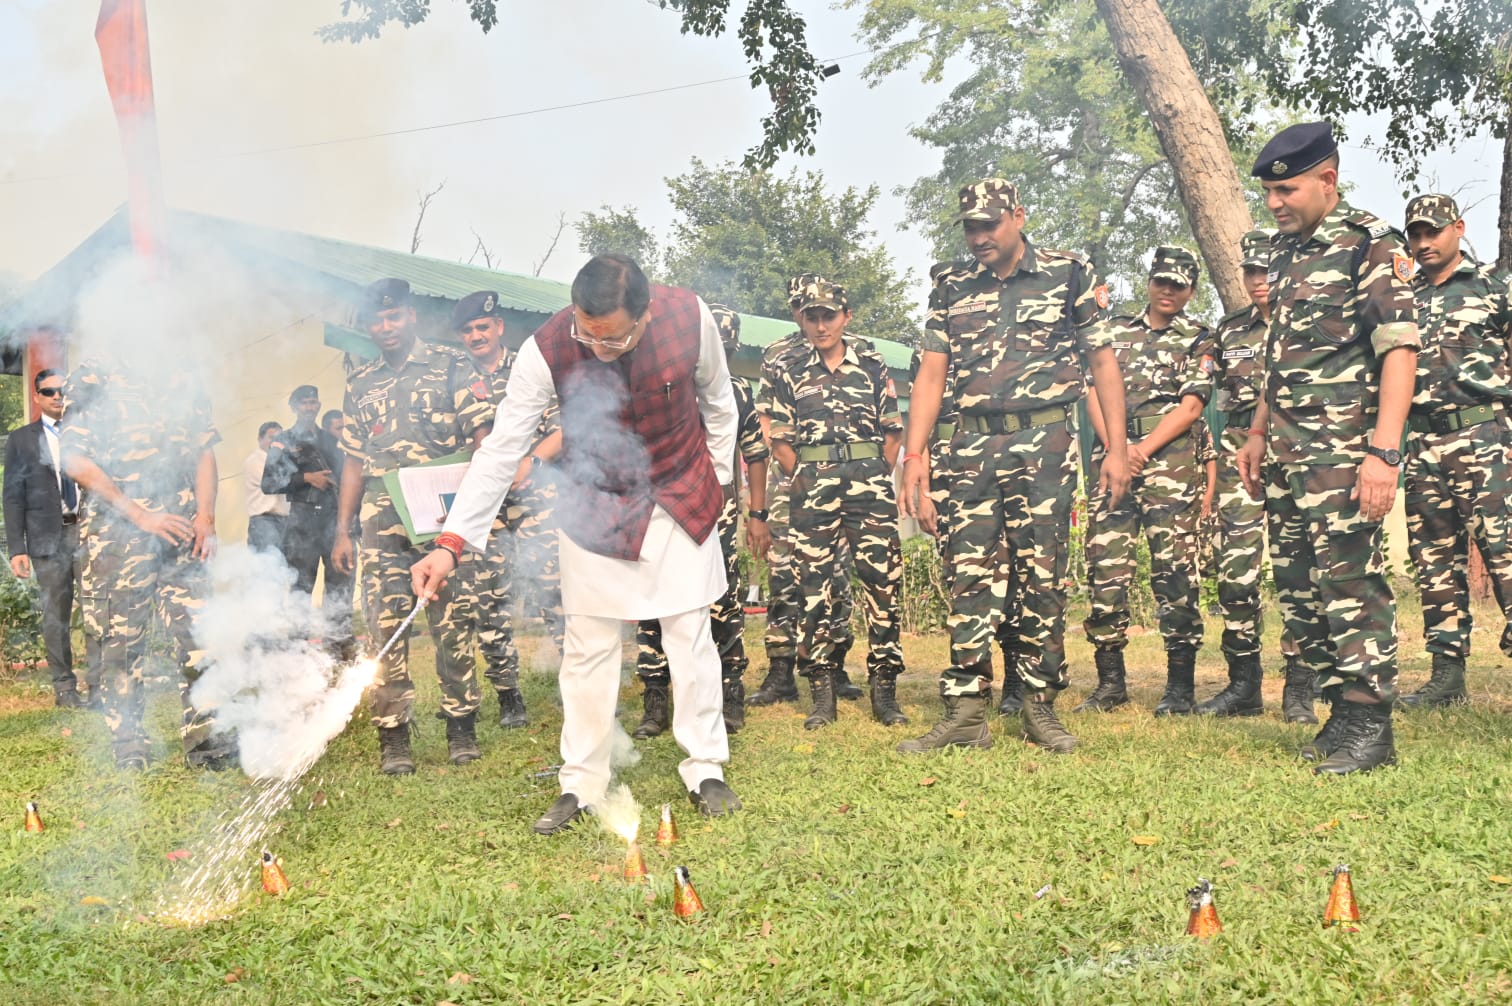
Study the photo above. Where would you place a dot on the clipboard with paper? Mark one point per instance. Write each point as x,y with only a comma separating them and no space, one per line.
423,493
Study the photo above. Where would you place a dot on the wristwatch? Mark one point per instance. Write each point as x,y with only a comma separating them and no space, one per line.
757,514
1390,455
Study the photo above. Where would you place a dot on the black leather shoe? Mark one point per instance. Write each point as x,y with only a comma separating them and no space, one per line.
511,709
69,700
560,816
714,798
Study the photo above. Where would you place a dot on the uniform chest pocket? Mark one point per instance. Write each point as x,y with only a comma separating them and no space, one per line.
1037,325
1322,315
970,320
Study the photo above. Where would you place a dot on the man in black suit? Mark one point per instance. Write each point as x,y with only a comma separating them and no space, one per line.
41,526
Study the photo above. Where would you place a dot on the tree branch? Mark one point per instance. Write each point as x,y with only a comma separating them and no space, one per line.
561,226
425,201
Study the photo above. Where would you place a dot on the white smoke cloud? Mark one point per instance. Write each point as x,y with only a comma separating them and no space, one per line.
284,695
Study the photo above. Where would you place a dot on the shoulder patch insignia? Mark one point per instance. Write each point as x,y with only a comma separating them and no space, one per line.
1207,364
1101,293
479,389
1379,229
891,391
1402,266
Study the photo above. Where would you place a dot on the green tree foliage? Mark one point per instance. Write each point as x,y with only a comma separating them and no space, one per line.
772,34
740,235
620,231
1046,105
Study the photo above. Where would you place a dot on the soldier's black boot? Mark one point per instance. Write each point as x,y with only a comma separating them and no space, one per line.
1180,689
778,686
1111,691
511,708
462,739
734,705
1241,696
1041,725
822,682
1297,693
1323,744
1013,692
1445,687
657,717
844,687
1366,741
394,757
964,725
884,701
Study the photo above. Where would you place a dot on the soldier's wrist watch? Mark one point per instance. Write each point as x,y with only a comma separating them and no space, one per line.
757,514
1390,455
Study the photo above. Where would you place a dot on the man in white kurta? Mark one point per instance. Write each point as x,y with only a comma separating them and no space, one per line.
674,579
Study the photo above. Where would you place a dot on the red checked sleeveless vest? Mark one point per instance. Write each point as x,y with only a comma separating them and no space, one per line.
632,435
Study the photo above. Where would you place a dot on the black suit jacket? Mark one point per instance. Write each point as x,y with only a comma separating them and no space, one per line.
33,504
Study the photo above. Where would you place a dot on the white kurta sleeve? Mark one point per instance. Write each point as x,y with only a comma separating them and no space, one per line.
716,399
526,398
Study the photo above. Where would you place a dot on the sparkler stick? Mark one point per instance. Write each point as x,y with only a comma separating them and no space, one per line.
403,628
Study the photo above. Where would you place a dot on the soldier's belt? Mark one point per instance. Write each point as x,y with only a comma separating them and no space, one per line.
834,453
1241,417
1144,426
1452,421
1014,422
944,432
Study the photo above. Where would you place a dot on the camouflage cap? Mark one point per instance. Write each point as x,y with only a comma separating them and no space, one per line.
987,200
1294,150
823,293
483,304
1175,264
1254,250
384,295
729,326
798,284
1432,209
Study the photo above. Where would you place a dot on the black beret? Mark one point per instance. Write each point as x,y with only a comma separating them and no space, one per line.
302,392
1294,150
483,304
385,294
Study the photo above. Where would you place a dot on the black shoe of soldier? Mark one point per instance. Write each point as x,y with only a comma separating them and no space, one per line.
714,798
511,708
560,816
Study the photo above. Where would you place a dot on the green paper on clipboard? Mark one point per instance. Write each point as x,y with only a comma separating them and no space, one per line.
423,493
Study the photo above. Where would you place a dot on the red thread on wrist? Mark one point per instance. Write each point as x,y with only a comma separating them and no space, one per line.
453,543
912,457
1255,431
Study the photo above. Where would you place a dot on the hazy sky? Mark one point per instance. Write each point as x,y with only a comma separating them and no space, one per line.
238,77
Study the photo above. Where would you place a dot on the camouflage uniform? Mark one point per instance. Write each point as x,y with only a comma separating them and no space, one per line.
526,514
1331,319
1013,470
422,411
1160,368
1458,478
783,602
837,421
149,439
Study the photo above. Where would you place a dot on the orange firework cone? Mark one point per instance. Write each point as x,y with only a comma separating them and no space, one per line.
635,863
685,900
1341,906
1203,922
666,832
273,879
33,819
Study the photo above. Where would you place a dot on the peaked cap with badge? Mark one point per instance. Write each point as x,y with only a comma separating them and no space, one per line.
482,304
1294,150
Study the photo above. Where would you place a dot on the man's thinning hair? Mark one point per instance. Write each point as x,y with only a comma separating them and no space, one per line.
608,283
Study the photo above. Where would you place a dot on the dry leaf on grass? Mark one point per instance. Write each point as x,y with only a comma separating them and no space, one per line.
928,780
1145,839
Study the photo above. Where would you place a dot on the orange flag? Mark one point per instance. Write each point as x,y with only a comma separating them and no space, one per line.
121,34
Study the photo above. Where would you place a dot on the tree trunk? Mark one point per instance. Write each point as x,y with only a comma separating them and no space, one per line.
1504,218
1190,134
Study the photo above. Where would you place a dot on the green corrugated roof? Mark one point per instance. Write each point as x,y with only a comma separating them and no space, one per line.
353,266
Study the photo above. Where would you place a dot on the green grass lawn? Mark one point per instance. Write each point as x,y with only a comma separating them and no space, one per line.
855,874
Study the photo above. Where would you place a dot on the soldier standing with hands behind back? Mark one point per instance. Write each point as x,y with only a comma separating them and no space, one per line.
1341,360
